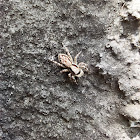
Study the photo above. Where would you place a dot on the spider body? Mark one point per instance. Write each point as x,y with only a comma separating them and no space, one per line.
70,65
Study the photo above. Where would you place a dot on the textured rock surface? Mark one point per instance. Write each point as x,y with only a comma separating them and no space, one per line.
132,112
135,98
36,101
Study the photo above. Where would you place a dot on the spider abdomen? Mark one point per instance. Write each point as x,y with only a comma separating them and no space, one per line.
65,60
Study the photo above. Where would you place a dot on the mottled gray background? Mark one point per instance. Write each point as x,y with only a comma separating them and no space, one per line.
39,103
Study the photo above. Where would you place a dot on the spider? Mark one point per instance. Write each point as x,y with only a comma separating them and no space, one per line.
66,61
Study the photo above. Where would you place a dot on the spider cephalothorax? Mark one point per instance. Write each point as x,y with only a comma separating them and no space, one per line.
70,65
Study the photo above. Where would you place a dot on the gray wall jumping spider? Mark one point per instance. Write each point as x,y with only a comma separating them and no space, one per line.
66,61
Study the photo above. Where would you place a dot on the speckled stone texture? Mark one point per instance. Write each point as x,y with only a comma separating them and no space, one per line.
39,103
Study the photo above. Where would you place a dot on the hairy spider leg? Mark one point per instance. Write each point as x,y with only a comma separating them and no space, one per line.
58,64
75,58
64,70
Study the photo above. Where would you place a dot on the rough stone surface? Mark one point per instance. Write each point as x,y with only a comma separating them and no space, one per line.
39,103
132,112
135,98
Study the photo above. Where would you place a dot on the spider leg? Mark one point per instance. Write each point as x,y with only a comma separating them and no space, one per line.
64,70
69,75
58,64
83,66
72,78
75,58
68,53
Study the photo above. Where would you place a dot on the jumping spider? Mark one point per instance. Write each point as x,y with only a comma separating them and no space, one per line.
66,61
